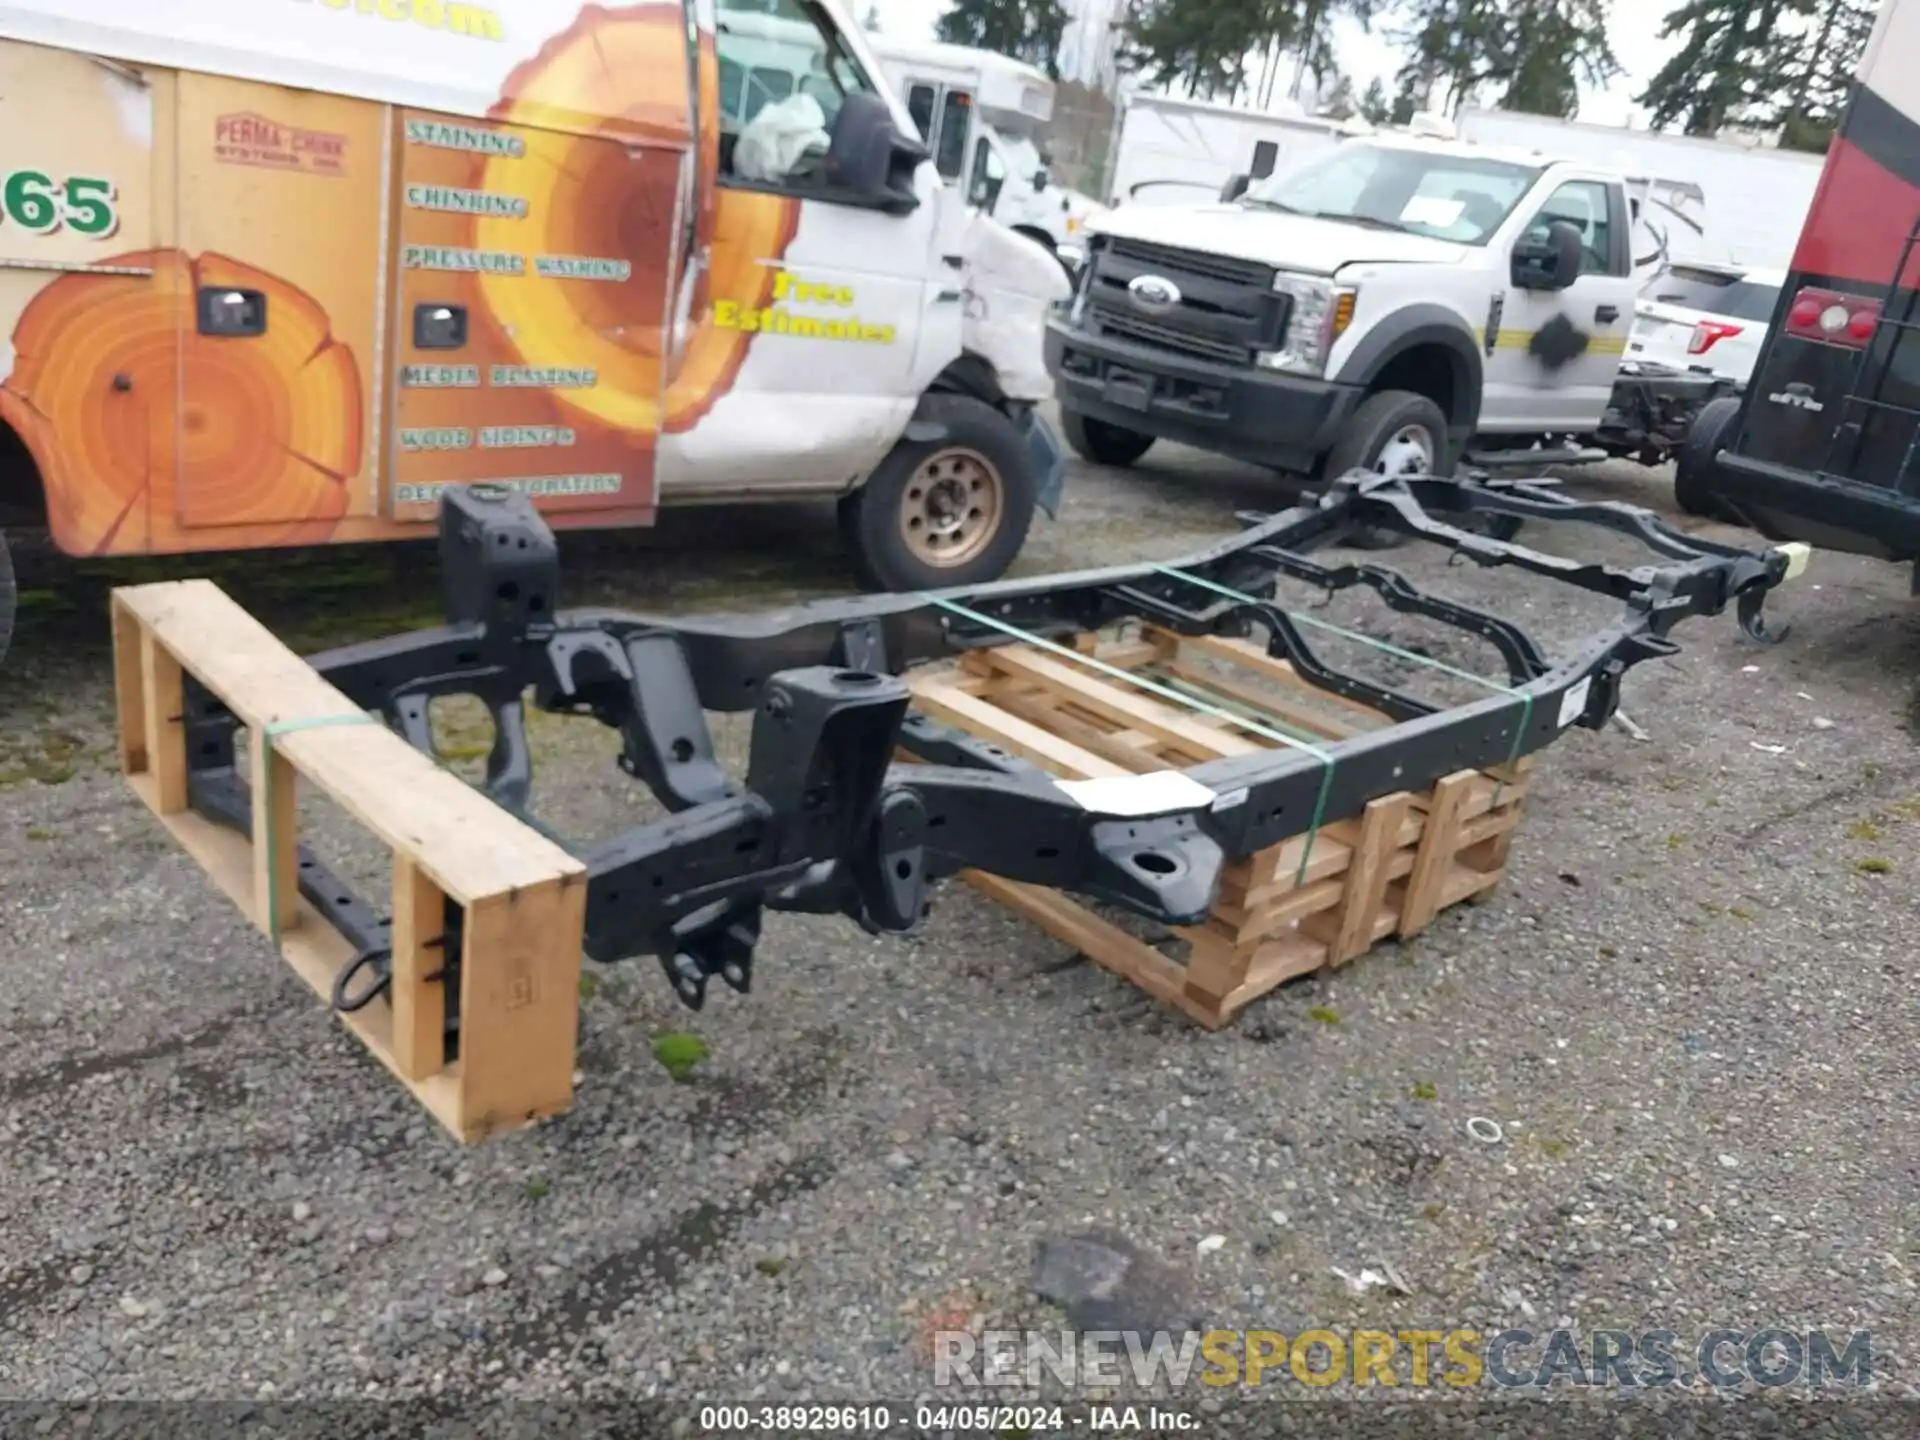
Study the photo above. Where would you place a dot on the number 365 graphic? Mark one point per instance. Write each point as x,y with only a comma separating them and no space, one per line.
40,204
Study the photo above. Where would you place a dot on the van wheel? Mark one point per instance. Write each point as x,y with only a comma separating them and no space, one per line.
1693,467
1100,442
1393,433
952,511
9,598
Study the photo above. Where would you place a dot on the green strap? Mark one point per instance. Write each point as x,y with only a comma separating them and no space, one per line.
1255,727
1525,699
269,734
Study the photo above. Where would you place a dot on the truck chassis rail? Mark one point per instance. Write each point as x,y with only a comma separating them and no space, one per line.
823,821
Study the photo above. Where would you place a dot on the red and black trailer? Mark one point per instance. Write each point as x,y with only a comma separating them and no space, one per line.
1824,446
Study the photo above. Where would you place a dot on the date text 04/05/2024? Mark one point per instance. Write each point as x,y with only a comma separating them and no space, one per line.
956,1420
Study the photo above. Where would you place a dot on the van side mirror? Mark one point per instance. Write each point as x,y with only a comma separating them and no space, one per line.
1549,262
1235,187
869,159
1040,181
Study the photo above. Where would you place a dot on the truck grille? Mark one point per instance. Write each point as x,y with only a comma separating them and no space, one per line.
1227,311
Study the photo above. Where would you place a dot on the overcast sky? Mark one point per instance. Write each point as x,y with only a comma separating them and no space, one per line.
1632,26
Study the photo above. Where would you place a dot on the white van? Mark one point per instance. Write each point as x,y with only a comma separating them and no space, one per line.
278,273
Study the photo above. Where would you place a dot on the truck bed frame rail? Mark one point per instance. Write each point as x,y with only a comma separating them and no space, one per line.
824,822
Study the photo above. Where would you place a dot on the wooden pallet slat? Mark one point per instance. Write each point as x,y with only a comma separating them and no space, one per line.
1308,903
522,897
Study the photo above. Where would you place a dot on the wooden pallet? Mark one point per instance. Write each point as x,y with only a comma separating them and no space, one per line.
523,898
1386,872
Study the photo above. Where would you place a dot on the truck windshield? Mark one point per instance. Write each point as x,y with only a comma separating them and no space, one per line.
1448,196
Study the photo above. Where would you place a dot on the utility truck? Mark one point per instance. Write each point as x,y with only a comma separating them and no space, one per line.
984,117
279,273
1824,447
1403,303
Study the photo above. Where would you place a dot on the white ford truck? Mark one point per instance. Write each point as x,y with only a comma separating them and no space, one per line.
1398,303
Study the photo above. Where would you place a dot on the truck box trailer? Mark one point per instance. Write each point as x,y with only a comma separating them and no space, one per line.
1823,446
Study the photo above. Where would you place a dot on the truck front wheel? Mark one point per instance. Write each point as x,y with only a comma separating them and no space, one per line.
1393,433
952,511
1100,442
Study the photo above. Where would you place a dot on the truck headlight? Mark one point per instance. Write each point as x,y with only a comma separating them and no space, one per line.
1318,316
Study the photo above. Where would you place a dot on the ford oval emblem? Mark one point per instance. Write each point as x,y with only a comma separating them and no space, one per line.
1153,294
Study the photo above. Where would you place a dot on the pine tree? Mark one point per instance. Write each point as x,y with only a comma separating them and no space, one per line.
1455,48
1340,103
1732,68
1029,30
1530,54
1549,47
1374,104
1824,84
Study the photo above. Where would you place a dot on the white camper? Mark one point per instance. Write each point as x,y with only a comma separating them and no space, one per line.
1755,197
1183,152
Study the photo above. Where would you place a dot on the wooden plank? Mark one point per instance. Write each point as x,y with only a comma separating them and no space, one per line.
1439,843
419,995
129,689
163,704
1133,751
523,1003
1130,711
1101,941
1268,699
949,704
275,790
1255,658
1366,878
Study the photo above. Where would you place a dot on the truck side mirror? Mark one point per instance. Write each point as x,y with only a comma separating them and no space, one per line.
1547,262
1235,187
868,158
1041,180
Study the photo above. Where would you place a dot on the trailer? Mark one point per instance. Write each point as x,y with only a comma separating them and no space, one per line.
1822,447
1183,152
1755,196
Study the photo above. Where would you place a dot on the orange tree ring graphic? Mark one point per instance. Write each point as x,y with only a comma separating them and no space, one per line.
618,75
269,428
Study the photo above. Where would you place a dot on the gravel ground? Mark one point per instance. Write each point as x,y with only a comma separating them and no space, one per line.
1688,1008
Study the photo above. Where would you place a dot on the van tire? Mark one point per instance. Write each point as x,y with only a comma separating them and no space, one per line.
1100,442
1693,467
1379,422
982,454
9,599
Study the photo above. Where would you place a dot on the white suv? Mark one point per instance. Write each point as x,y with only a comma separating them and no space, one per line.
1711,318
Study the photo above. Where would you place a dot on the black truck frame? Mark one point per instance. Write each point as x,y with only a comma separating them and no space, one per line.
824,822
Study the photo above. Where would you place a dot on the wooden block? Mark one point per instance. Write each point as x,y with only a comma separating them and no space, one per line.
1366,879
1439,843
522,898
